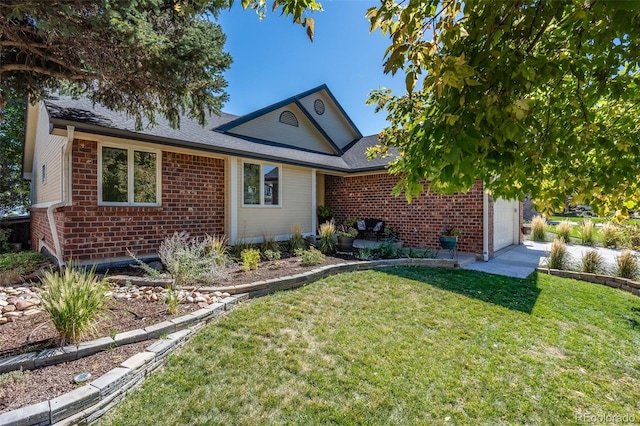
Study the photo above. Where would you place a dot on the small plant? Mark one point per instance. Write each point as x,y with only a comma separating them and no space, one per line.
276,265
312,257
298,252
189,262
365,253
412,253
9,381
327,244
386,250
592,262
558,257
325,213
249,259
350,222
297,241
450,232
173,298
627,265
429,253
347,232
538,225
142,265
586,233
632,236
400,253
390,235
563,230
271,255
73,298
240,246
215,247
269,243
610,233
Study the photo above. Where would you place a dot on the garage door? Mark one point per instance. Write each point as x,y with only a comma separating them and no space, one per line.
505,223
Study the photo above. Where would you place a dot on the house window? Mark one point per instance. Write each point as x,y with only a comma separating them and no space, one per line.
260,184
128,176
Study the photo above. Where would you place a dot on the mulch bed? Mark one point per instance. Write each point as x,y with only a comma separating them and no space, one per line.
25,388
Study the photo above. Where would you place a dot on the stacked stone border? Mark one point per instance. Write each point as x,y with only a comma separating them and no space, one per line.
88,403
623,284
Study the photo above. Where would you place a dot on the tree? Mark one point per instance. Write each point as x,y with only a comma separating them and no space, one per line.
14,191
530,96
140,57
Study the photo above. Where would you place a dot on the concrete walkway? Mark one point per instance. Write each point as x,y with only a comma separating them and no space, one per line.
520,261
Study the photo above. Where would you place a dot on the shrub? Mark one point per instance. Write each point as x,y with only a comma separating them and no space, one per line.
327,244
610,235
249,259
586,233
538,225
386,250
312,257
558,257
563,230
298,252
365,253
632,236
190,261
297,241
269,243
627,265
215,247
592,262
271,255
4,240
73,299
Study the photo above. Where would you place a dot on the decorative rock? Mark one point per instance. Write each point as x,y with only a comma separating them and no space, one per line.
3,303
22,305
30,312
4,320
82,377
200,299
200,304
13,314
225,294
12,300
217,293
8,308
158,289
190,299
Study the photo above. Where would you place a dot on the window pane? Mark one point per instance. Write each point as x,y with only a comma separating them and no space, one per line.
251,185
144,177
114,175
271,185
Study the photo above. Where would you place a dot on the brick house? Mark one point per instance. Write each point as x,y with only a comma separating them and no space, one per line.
100,187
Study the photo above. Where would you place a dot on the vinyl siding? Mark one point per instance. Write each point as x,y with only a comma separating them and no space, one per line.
332,120
48,151
256,222
268,127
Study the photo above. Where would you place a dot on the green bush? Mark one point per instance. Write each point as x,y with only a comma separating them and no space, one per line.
73,299
298,252
563,230
312,257
24,261
558,257
538,225
386,251
610,233
586,233
271,255
592,262
365,253
627,265
297,241
327,243
249,259
632,236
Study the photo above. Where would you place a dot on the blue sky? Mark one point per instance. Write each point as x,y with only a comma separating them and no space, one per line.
273,59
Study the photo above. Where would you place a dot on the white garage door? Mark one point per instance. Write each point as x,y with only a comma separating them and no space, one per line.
505,223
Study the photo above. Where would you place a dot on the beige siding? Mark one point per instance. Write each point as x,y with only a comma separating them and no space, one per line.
268,127
256,222
48,153
332,120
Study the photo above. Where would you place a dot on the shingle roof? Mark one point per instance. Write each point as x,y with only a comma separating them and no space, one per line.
97,119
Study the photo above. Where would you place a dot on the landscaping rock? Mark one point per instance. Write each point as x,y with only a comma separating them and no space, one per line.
8,308
22,305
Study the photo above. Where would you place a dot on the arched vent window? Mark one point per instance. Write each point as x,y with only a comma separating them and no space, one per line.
287,117
318,105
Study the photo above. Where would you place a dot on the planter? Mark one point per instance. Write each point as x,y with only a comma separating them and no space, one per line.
448,243
526,230
345,243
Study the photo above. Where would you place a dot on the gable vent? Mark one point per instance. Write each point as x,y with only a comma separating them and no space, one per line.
287,117
318,105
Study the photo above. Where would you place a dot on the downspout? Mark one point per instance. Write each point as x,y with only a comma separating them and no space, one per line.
485,226
64,195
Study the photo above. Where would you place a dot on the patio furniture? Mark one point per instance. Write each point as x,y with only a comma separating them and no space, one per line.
375,226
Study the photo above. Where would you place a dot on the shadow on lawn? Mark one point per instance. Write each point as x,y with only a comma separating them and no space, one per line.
512,293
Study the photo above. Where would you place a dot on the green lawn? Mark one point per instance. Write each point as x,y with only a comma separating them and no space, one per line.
593,219
406,346
576,234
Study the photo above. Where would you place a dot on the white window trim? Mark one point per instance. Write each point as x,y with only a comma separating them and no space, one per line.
262,205
130,178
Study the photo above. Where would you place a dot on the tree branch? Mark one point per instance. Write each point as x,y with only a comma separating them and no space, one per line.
47,72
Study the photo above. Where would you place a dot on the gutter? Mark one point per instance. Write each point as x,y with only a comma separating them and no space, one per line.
64,196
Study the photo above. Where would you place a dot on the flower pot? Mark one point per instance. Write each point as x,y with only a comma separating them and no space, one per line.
526,229
345,243
448,243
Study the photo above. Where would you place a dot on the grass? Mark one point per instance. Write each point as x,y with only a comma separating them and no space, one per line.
443,346
594,219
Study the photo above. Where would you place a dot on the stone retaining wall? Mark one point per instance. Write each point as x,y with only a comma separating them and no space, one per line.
624,284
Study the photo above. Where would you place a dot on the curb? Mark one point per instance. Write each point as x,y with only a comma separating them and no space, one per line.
624,284
89,402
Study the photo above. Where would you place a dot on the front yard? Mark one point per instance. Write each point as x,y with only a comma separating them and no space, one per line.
407,346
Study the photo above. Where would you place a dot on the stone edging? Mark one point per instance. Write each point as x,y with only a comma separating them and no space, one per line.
624,284
89,402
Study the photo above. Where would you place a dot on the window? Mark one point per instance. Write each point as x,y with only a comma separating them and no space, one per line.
260,184
128,176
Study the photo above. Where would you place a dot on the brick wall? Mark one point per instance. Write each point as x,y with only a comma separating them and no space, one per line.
192,200
419,223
